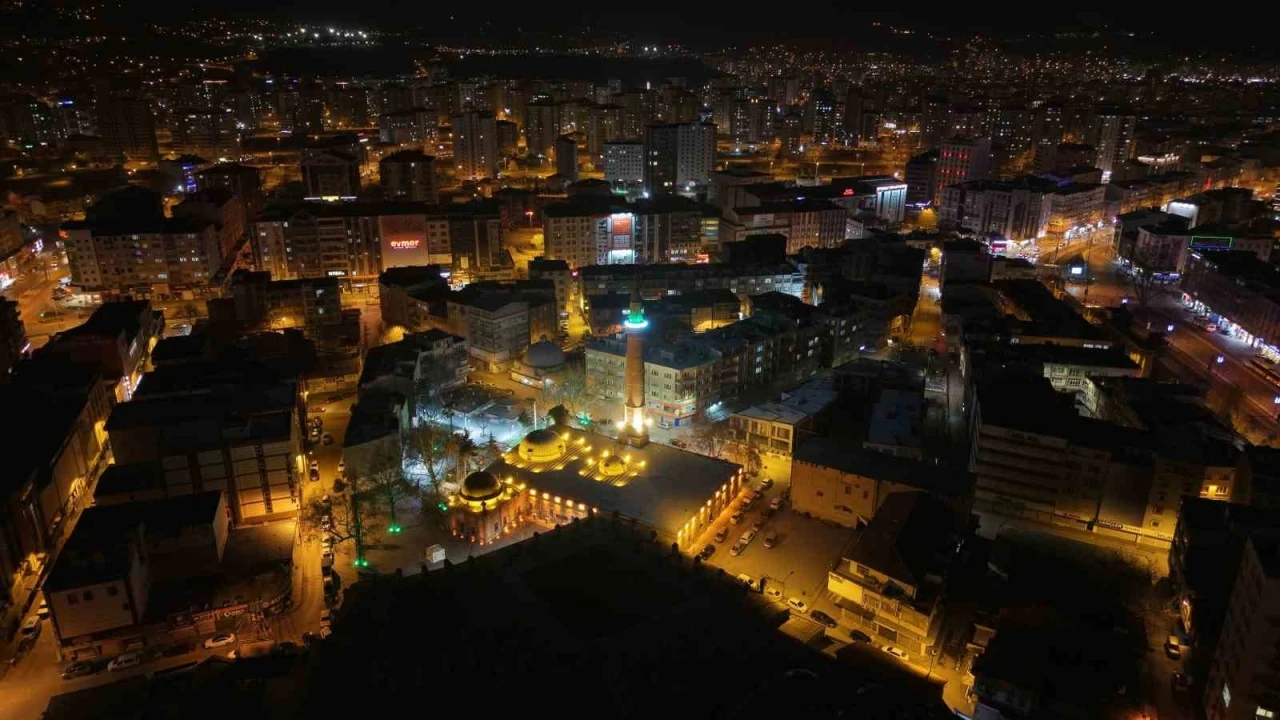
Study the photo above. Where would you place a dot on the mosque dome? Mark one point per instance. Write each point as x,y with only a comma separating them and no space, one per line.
480,486
544,355
612,466
542,446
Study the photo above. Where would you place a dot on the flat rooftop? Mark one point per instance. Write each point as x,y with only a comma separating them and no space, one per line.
661,486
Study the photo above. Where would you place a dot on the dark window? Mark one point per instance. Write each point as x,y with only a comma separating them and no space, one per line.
88,595
72,599
112,591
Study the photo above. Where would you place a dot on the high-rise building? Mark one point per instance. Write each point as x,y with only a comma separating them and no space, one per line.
414,126
1112,134
28,121
330,173
604,125
243,181
567,158
820,115
409,175
127,127
1016,209
210,133
961,159
541,128
475,145
679,157
624,165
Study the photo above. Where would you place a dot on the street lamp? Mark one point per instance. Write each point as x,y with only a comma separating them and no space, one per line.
1169,328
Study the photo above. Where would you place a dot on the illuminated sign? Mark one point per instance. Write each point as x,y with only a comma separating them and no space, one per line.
1209,242
620,227
406,244
848,192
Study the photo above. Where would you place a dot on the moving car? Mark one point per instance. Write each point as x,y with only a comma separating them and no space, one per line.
775,504
1173,648
771,538
895,651
79,669
737,549
218,641
735,518
125,661
721,534
798,605
757,524
774,593
823,618
328,439
676,442
766,483
707,552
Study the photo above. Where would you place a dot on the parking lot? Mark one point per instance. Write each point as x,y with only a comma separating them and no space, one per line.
798,562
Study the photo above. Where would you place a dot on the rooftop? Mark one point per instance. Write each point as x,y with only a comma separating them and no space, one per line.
848,458
660,486
98,549
910,539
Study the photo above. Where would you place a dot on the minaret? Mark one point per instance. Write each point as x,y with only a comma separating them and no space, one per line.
635,428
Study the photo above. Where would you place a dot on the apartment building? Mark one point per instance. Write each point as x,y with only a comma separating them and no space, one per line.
1075,206
591,231
1015,209
893,577
127,245
1244,676
500,320
962,159
805,223
682,379
218,425
624,163
1035,457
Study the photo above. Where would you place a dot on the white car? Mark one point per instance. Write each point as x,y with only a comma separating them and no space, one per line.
125,661
775,504
218,641
895,651
798,605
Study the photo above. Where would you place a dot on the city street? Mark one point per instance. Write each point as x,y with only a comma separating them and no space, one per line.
33,291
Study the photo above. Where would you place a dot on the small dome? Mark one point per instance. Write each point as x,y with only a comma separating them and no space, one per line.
612,466
544,355
542,445
480,485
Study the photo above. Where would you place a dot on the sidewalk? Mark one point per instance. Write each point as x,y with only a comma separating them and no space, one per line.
27,595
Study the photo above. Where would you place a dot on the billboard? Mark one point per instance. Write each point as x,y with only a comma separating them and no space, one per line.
620,231
403,240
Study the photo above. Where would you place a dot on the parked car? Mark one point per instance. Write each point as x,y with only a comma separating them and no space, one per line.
757,524
735,518
328,439
218,641
342,468
798,605
860,636
747,580
1181,681
774,593
326,618
314,465
314,474
766,483
721,534
823,618
737,549
775,504
43,611
757,493
31,627
707,552
771,538
1173,648
326,559
676,442
747,504
339,486
125,661
895,651
747,537
79,669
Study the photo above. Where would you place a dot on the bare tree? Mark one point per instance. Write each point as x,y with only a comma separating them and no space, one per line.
383,483
1145,279
570,390
432,446
713,438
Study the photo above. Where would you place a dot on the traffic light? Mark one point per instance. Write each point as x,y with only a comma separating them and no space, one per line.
443,506
394,528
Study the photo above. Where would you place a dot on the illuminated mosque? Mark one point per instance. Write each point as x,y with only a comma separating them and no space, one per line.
558,474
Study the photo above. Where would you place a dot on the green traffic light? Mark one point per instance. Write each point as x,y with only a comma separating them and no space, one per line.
443,506
394,529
